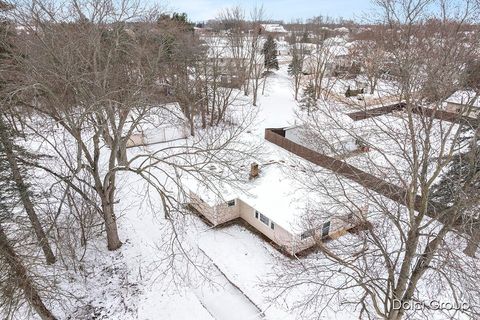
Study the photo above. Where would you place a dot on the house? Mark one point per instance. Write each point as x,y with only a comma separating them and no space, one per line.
283,48
465,102
277,205
341,30
227,62
276,30
331,55
161,124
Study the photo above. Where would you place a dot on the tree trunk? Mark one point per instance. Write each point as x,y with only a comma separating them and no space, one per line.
25,197
22,278
122,158
113,240
263,88
472,244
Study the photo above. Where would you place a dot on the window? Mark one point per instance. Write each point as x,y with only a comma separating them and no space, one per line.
272,225
264,219
325,229
231,203
307,234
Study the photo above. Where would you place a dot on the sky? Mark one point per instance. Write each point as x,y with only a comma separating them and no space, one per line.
287,10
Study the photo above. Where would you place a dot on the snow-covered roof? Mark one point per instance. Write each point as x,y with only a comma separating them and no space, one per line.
278,192
335,41
282,45
342,29
332,51
333,47
337,51
219,47
465,97
274,27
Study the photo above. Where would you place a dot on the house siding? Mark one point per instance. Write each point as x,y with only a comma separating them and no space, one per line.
289,242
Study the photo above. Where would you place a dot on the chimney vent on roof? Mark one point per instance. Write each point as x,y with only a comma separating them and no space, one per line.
254,170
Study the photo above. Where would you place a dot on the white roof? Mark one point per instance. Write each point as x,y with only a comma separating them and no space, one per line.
465,97
342,29
278,192
333,47
274,27
219,47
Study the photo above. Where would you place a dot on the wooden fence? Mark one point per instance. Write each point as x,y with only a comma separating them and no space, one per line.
428,112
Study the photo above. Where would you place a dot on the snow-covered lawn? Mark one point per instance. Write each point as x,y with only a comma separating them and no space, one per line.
249,262
220,274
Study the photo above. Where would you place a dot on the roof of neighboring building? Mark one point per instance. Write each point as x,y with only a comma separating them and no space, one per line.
274,27
465,97
342,29
219,47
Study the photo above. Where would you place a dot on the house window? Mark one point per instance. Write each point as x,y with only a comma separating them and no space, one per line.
325,229
307,234
264,219
272,225
231,203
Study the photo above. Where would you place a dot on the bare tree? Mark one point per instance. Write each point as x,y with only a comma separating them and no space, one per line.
371,57
90,77
295,70
321,59
409,252
100,103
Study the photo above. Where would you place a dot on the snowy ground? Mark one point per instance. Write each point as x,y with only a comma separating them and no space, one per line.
225,268
219,278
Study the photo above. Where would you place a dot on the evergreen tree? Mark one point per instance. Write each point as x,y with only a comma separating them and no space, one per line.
295,67
462,180
308,102
460,184
305,38
270,53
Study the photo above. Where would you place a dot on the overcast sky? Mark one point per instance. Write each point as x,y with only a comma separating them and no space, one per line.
199,10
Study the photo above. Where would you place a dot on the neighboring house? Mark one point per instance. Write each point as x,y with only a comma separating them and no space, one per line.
342,30
162,124
283,48
465,102
303,48
331,55
204,31
276,30
277,205
227,62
